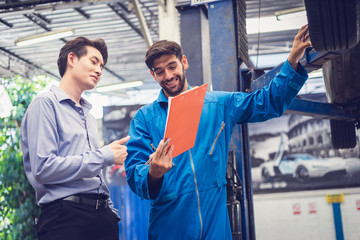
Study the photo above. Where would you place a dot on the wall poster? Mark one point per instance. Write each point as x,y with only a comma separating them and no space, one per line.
294,152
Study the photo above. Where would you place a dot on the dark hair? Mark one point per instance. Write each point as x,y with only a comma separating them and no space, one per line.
163,47
78,46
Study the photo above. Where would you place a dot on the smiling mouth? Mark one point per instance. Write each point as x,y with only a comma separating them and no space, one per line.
170,83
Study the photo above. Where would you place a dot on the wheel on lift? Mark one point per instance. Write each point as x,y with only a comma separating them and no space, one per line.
333,24
342,83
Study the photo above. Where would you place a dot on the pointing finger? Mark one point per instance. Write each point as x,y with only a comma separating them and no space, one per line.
124,140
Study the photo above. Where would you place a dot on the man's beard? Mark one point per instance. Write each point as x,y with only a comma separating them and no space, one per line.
180,87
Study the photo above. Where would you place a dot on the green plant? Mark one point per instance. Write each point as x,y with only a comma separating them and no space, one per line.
18,207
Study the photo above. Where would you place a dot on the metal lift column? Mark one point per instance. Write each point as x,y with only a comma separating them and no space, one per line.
228,52
218,27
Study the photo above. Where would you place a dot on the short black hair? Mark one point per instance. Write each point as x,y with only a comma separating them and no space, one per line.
163,47
78,47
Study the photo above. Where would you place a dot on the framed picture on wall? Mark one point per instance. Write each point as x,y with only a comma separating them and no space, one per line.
295,152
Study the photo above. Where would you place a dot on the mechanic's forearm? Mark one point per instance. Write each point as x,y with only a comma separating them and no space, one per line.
154,185
293,62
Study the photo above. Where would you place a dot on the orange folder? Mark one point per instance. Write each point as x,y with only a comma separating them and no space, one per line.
183,119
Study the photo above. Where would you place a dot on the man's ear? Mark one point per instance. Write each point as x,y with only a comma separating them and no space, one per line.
71,57
185,62
152,74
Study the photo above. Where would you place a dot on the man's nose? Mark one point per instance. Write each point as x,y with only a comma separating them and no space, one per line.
98,70
168,74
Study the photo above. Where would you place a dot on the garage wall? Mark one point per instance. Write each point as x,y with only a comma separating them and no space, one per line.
305,215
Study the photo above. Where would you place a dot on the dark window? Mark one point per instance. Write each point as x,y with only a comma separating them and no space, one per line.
319,139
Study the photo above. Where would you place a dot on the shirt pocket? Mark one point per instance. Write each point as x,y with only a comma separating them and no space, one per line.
167,197
216,155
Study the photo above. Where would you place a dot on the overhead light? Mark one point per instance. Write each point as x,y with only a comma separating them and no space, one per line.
290,13
295,18
270,24
118,86
45,37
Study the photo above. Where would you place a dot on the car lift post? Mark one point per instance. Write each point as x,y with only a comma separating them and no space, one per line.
225,31
217,21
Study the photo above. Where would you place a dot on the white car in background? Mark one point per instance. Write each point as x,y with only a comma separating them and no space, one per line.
303,167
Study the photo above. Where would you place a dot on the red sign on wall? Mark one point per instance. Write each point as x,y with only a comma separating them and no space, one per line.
358,205
312,208
297,209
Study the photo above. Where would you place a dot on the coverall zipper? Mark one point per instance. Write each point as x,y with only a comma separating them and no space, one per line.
213,146
197,194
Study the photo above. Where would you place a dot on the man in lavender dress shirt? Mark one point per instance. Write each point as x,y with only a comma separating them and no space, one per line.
61,152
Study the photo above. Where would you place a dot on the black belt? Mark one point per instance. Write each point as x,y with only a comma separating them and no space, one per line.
96,203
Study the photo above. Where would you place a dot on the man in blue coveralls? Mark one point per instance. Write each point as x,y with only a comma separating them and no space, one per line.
188,192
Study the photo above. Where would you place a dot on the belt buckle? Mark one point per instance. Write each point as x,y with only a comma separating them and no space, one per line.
98,202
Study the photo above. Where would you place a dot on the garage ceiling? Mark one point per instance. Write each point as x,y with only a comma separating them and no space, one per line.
117,23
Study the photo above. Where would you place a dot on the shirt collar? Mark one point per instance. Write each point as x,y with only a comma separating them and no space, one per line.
163,98
62,96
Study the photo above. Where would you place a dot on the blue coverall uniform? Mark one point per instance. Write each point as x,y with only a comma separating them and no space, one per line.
191,203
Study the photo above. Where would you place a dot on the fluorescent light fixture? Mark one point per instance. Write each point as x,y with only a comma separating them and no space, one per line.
290,13
118,86
270,24
47,36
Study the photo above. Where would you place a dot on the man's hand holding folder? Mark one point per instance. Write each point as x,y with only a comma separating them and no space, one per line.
161,160
152,155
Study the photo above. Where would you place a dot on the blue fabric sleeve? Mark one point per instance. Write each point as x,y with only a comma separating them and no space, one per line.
270,101
139,149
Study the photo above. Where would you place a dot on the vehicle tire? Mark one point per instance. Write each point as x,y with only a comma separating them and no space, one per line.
333,24
302,174
342,77
343,134
342,83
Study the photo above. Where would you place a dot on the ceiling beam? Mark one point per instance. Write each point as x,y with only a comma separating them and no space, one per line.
82,12
32,6
144,28
27,62
6,23
153,17
24,4
38,21
162,3
116,8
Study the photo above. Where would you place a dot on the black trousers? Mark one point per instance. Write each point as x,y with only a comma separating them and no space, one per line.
65,220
